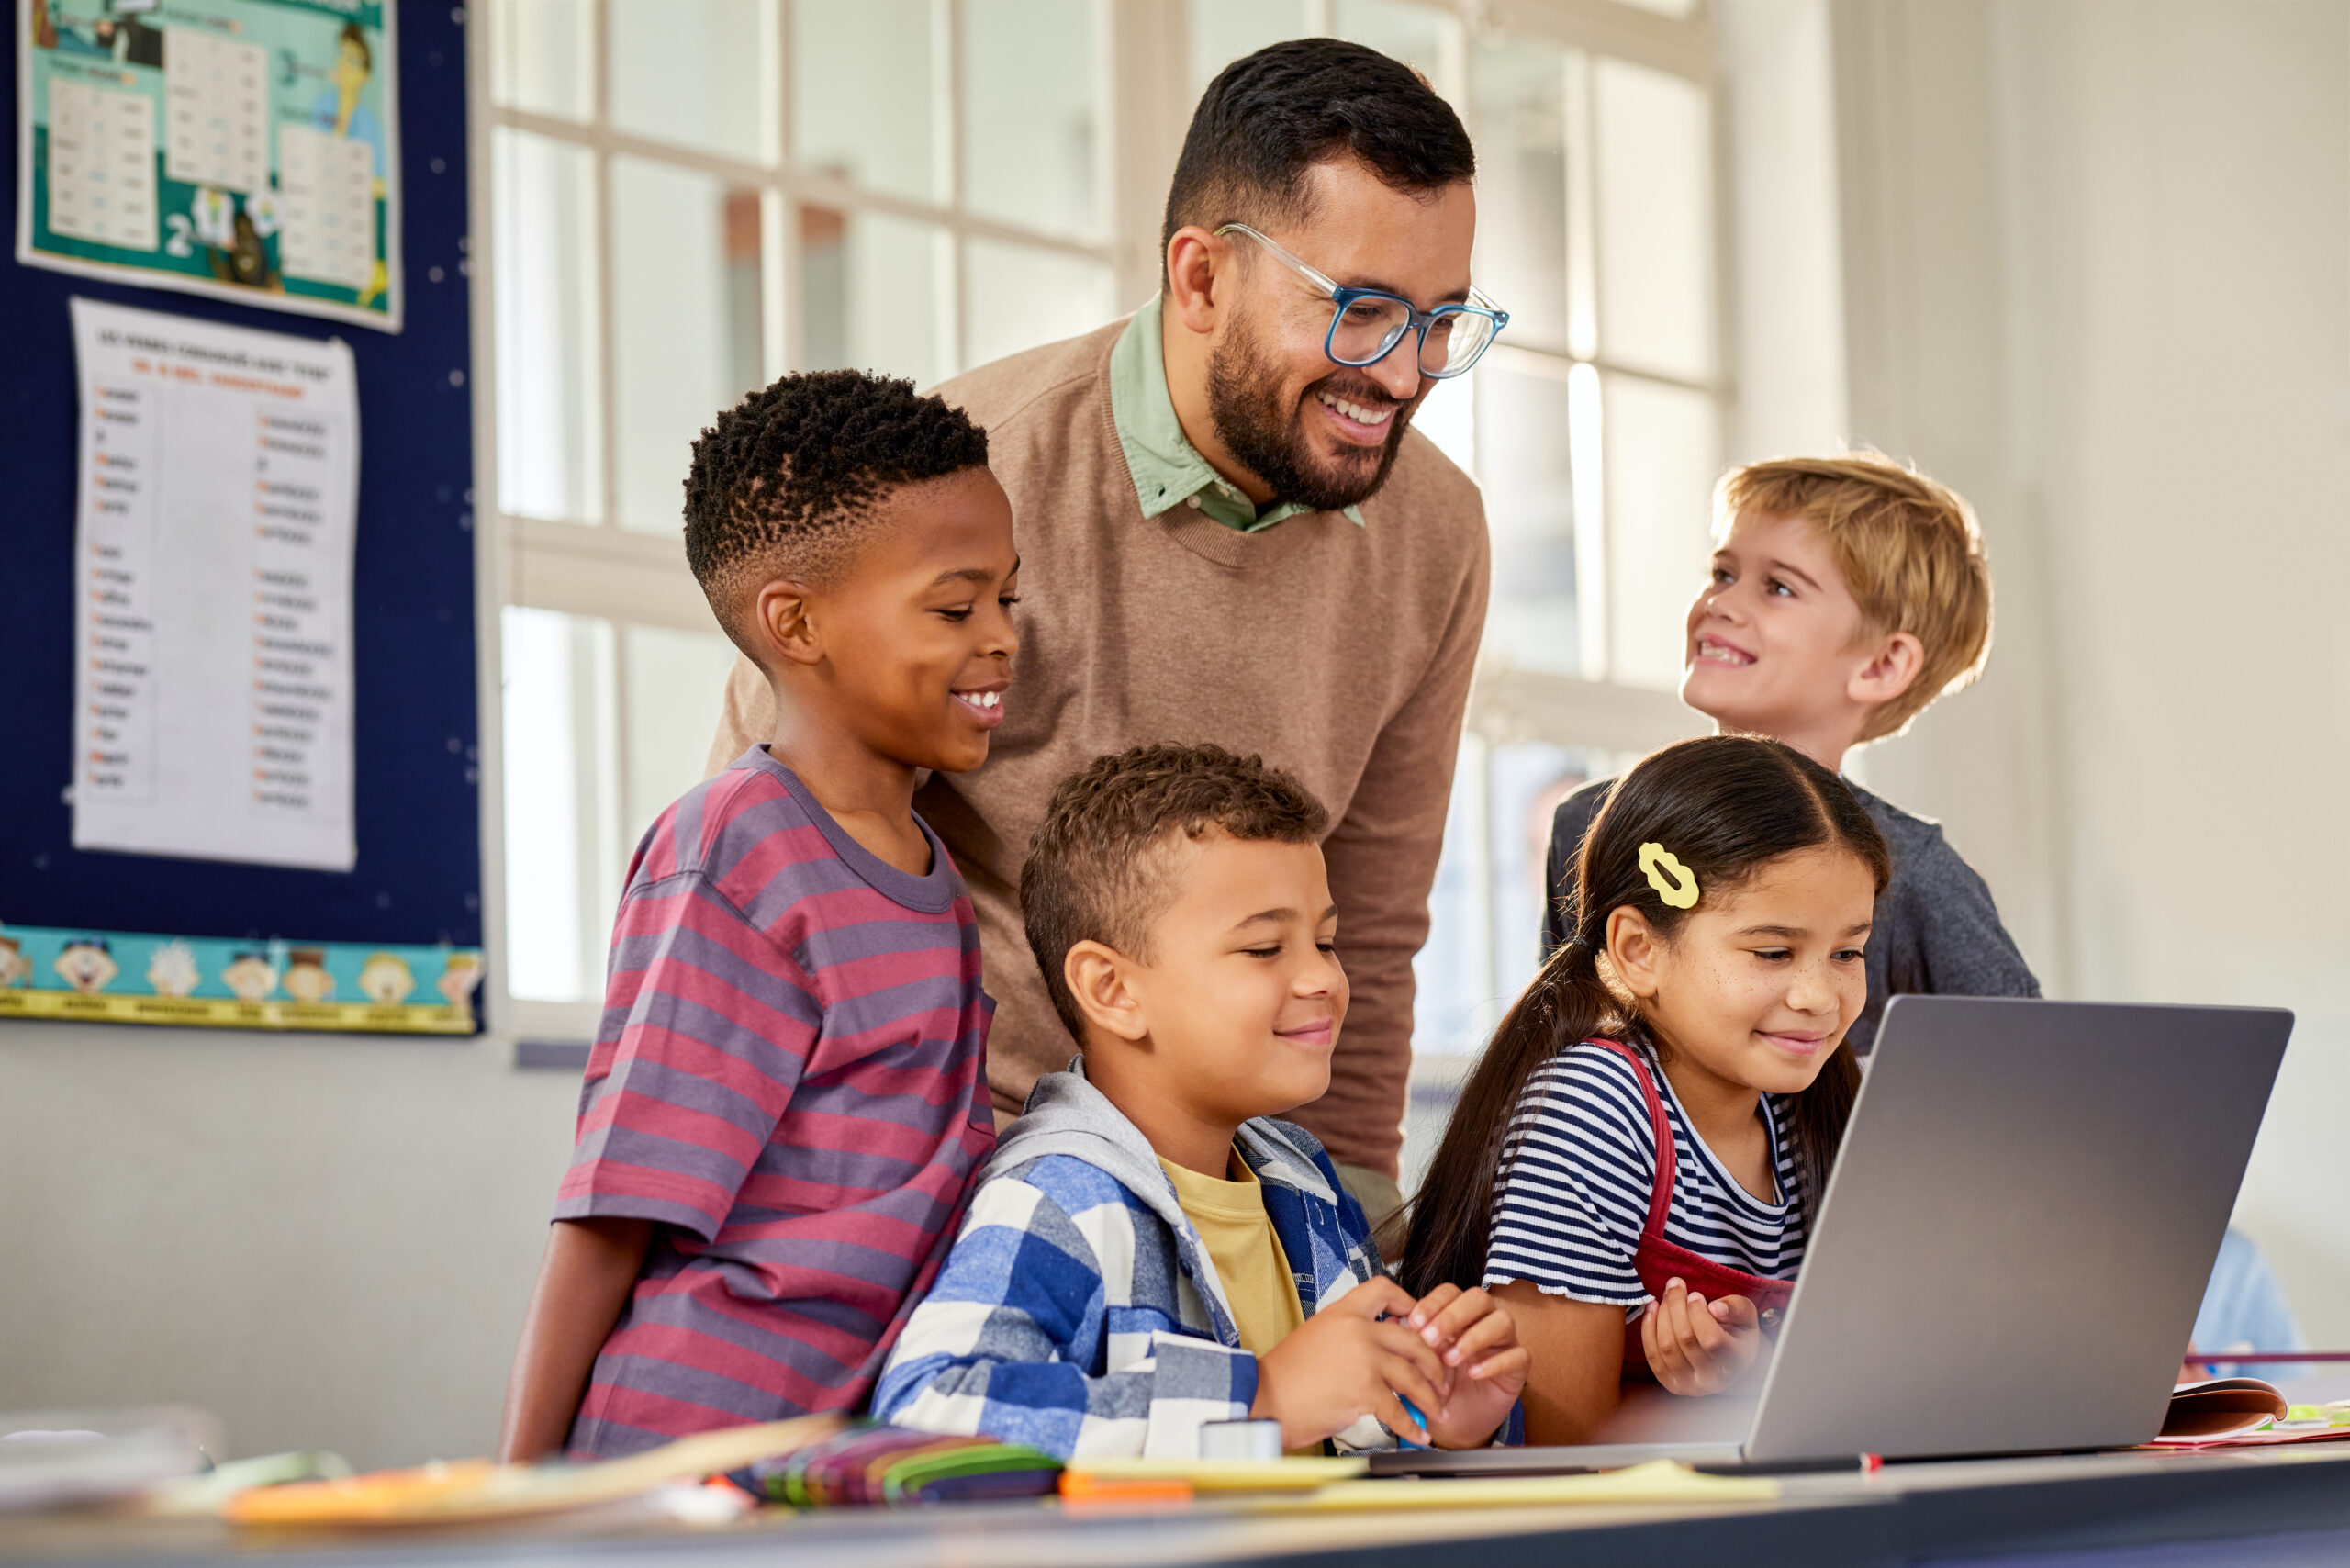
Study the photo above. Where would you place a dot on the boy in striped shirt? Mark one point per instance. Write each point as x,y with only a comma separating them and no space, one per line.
786,1104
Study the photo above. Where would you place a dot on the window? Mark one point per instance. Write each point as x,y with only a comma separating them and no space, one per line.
683,198
1592,426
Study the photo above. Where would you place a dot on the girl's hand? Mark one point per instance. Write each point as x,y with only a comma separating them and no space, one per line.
1484,1365
1698,1347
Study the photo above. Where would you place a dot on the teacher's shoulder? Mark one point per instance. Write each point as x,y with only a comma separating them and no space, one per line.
1036,392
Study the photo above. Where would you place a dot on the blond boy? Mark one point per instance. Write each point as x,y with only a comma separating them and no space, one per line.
1844,596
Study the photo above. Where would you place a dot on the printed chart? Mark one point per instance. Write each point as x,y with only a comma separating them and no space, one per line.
241,148
213,689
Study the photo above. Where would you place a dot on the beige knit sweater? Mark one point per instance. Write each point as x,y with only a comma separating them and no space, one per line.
1339,653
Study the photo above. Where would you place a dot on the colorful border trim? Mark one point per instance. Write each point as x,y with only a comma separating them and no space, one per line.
136,977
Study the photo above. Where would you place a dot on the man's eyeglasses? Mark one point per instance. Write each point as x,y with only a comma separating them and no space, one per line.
1367,324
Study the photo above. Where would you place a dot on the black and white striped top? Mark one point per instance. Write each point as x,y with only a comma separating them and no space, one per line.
1577,1170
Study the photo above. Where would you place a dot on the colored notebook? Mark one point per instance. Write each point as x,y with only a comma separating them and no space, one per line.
2244,1412
888,1466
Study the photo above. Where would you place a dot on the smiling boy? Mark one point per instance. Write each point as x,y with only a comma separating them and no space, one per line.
787,1103
1845,593
1150,1251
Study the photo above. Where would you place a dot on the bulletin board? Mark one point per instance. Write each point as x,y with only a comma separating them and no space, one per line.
249,149
393,942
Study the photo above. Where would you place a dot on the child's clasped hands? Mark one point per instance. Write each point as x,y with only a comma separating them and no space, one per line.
1453,1354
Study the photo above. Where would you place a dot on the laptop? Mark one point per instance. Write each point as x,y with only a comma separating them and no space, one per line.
2011,1248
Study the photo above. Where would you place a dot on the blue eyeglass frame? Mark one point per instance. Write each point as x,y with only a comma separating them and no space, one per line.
1416,319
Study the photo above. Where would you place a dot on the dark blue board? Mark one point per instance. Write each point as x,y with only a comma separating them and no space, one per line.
417,784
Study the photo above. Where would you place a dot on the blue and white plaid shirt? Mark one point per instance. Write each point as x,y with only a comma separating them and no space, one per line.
1077,1311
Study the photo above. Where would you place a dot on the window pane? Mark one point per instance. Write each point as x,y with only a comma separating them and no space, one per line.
550,458
1520,127
1030,80
674,681
1523,785
1453,1003
1663,452
1485,915
1447,415
1485,911
689,71
861,92
1420,36
686,318
562,808
1656,221
1523,464
869,294
1224,30
1017,298
539,56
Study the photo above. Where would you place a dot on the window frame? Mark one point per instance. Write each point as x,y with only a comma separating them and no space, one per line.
599,568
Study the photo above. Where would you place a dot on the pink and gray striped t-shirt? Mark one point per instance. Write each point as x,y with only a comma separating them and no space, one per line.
791,1078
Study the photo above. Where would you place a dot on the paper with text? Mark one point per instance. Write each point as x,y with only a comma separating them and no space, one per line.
220,483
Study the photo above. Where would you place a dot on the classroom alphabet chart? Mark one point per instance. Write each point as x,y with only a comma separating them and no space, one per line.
101,165
218,491
244,149
327,206
215,98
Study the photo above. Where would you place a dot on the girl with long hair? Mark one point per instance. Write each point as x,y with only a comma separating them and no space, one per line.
1635,1163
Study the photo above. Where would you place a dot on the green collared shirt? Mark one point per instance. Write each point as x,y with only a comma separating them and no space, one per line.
1168,469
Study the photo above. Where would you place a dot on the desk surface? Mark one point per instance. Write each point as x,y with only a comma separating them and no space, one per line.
1905,1514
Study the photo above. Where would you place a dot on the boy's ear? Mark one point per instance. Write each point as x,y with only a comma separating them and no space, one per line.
1096,976
1633,951
1889,671
781,625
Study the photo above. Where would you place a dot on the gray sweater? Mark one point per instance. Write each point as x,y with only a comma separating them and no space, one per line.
1937,934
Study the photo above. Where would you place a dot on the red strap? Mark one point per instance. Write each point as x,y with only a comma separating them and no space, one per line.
1661,1192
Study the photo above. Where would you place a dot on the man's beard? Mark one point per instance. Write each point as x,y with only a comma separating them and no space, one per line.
1267,434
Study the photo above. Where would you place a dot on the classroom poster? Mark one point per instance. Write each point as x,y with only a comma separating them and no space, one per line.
133,978
218,481
248,149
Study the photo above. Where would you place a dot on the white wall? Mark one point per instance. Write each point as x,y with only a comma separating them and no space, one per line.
2098,269
327,1241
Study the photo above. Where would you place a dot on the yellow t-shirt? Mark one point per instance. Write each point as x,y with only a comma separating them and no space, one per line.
1231,1219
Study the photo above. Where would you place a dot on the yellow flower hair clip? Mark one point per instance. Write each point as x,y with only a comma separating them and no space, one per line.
1681,890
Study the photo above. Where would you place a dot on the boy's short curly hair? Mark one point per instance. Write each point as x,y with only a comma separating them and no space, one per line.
1097,868
1909,548
780,483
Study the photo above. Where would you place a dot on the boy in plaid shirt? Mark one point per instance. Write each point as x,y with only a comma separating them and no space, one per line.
1148,1250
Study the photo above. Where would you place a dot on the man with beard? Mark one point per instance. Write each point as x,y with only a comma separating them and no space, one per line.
1229,533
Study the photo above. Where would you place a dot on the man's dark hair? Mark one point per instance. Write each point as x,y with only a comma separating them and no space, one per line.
782,481
1098,869
1270,116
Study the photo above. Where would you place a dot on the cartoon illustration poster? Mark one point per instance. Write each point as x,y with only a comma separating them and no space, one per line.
125,978
248,149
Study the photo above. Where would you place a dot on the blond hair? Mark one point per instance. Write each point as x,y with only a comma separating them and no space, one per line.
1910,551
